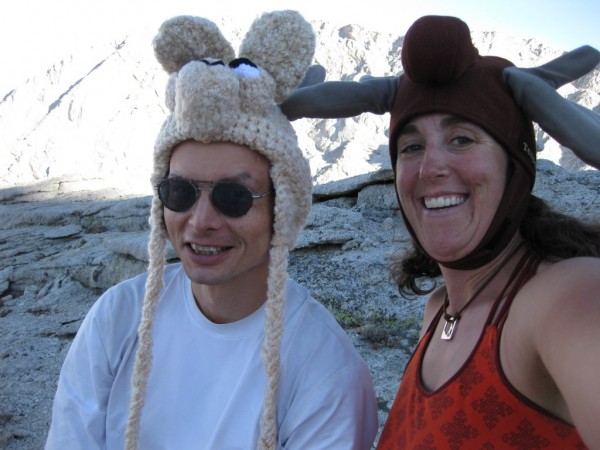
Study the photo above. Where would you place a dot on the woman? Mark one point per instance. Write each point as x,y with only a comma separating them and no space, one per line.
487,370
509,353
508,356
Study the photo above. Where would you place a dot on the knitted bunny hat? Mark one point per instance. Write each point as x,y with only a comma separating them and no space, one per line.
214,97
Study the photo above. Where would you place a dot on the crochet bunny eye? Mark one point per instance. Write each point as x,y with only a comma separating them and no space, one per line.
212,62
244,68
239,61
241,66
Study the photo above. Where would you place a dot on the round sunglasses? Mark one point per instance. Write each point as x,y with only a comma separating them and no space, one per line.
229,198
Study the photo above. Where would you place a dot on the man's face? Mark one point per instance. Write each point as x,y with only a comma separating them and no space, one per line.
216,249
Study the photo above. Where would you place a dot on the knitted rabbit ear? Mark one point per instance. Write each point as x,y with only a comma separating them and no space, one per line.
283,44
570,124
187,38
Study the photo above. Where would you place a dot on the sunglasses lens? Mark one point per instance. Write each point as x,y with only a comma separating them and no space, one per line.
176,194
232,199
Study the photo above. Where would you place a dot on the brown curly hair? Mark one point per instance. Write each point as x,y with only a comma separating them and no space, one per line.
548,234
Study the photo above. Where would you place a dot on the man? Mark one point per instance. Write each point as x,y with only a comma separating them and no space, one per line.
222,350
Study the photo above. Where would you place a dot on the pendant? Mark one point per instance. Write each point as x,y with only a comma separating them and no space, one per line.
448,329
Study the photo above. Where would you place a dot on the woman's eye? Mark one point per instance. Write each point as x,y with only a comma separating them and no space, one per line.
462,140
410,148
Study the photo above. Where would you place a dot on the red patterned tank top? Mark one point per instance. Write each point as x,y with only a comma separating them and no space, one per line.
477,408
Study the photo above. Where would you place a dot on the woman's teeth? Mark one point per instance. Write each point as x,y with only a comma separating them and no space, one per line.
444,202
202,250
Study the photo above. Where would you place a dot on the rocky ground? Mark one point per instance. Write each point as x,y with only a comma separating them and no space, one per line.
63,242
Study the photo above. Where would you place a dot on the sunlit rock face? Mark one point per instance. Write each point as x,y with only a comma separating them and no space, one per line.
76,143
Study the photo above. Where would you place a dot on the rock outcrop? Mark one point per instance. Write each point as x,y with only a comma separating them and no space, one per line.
74,204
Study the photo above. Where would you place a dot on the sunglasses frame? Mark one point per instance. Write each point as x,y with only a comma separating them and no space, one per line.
213,185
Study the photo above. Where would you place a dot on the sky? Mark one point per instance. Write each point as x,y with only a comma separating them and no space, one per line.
36,33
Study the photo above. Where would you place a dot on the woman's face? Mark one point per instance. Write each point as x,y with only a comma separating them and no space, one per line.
450,177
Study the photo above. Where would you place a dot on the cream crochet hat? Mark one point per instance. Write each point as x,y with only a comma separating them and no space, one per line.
213,96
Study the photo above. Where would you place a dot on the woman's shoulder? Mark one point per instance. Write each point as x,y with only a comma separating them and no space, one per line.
568,284
567,272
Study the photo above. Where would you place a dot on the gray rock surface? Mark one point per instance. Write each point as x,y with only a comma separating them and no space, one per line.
61,249
76,142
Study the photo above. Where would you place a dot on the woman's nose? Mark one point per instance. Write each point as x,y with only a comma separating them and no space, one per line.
433,162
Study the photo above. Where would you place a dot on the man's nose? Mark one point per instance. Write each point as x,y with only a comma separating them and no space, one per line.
203,214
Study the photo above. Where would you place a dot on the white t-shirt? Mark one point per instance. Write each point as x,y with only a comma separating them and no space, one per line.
206,387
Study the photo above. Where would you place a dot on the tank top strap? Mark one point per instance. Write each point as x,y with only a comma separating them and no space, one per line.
435,319
524,270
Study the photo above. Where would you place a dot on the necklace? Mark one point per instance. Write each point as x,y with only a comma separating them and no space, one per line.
451,320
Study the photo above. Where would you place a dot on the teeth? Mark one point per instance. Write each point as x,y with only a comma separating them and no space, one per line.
202,250
443,202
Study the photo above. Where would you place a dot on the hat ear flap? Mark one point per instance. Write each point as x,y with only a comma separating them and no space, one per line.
570,124
187,38
283,44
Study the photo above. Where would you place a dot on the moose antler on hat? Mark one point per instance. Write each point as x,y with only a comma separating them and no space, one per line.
570,124
534,89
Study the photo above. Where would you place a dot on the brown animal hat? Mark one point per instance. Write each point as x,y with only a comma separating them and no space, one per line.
214,97
444,73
